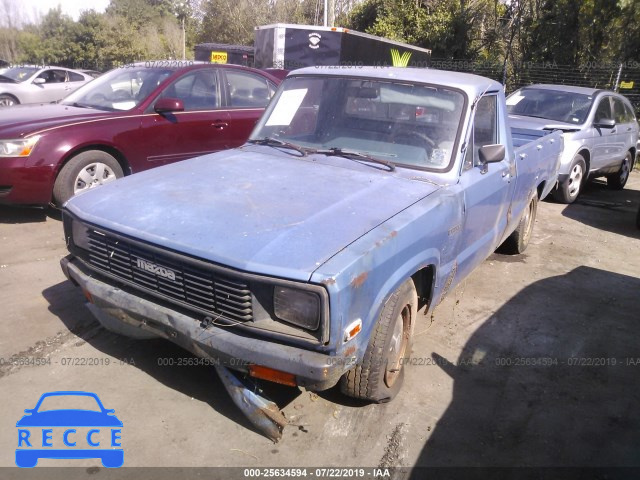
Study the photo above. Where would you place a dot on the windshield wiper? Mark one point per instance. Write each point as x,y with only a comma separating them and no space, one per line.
274,142
354,155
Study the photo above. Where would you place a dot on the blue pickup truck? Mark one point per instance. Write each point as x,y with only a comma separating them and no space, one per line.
308,255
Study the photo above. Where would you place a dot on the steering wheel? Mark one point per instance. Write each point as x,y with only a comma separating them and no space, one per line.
415,138
97,98
121,96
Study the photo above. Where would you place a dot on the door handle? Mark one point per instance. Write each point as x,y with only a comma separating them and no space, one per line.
219,124
613,130
629,129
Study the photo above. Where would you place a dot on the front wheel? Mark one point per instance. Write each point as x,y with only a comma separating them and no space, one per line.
83,172
568,191
379,376
618,180
7,100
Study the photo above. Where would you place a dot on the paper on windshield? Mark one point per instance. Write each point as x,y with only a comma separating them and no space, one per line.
287,107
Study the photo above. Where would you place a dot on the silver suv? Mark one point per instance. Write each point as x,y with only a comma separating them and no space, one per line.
600,132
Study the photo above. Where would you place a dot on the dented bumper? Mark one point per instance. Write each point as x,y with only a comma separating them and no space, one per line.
137,317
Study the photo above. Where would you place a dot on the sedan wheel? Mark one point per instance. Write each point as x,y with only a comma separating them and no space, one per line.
8,101
85,171
93,175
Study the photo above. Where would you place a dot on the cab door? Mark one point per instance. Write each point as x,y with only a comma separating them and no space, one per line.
487,189
202,127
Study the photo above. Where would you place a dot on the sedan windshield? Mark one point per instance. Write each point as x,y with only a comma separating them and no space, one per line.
119,89
18,74
569,107
392,123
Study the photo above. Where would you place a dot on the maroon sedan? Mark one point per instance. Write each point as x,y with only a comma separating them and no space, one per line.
128,120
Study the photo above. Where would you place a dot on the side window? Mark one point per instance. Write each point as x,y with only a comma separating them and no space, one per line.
484,131
631,116
53,76
198,90
603,111
619,113
75,77
248,90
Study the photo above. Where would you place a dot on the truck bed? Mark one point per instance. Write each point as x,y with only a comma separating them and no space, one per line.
532,148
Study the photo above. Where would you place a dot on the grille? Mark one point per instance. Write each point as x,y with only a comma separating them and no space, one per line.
199,288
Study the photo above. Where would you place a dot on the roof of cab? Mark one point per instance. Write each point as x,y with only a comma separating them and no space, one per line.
473,85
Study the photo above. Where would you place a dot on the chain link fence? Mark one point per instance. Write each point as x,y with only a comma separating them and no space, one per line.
623,78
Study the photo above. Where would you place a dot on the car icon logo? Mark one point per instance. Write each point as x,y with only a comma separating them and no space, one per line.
87,431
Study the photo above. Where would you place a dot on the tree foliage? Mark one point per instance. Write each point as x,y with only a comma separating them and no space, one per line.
570,32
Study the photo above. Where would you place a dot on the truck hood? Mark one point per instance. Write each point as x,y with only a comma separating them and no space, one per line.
21,120
535,123
260,212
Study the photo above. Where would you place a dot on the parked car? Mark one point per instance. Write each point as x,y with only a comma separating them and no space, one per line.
125,121
304,256
33,84
600,132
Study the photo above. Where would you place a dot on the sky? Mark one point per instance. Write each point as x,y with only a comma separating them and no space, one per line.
70,7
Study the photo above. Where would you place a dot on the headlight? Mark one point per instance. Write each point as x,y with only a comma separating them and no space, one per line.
18,148
80,235
299,307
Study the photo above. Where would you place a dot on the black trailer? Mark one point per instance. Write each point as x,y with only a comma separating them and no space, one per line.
224,53
294,46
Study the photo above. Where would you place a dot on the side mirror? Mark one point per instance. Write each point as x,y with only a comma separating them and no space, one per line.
167,105
39,81
605,123
491,153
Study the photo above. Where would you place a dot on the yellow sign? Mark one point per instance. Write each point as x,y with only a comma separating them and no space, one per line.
218,57
400,60
626,84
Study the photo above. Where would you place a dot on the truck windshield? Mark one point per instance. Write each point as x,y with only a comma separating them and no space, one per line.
399,123
569,107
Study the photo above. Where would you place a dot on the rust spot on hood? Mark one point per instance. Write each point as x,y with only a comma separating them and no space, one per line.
358,281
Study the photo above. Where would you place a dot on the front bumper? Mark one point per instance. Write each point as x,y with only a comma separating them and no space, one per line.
137,317
21,184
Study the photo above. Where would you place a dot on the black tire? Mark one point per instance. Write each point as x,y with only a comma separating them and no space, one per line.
68,182
517,242
568,191
618,180
638,219
7,100
375,379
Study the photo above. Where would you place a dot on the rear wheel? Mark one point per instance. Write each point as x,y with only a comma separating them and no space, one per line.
568,191
618,180
7,100
517,242
379,376
83,172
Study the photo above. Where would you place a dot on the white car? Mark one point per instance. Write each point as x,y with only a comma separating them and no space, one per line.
35,84
600,132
